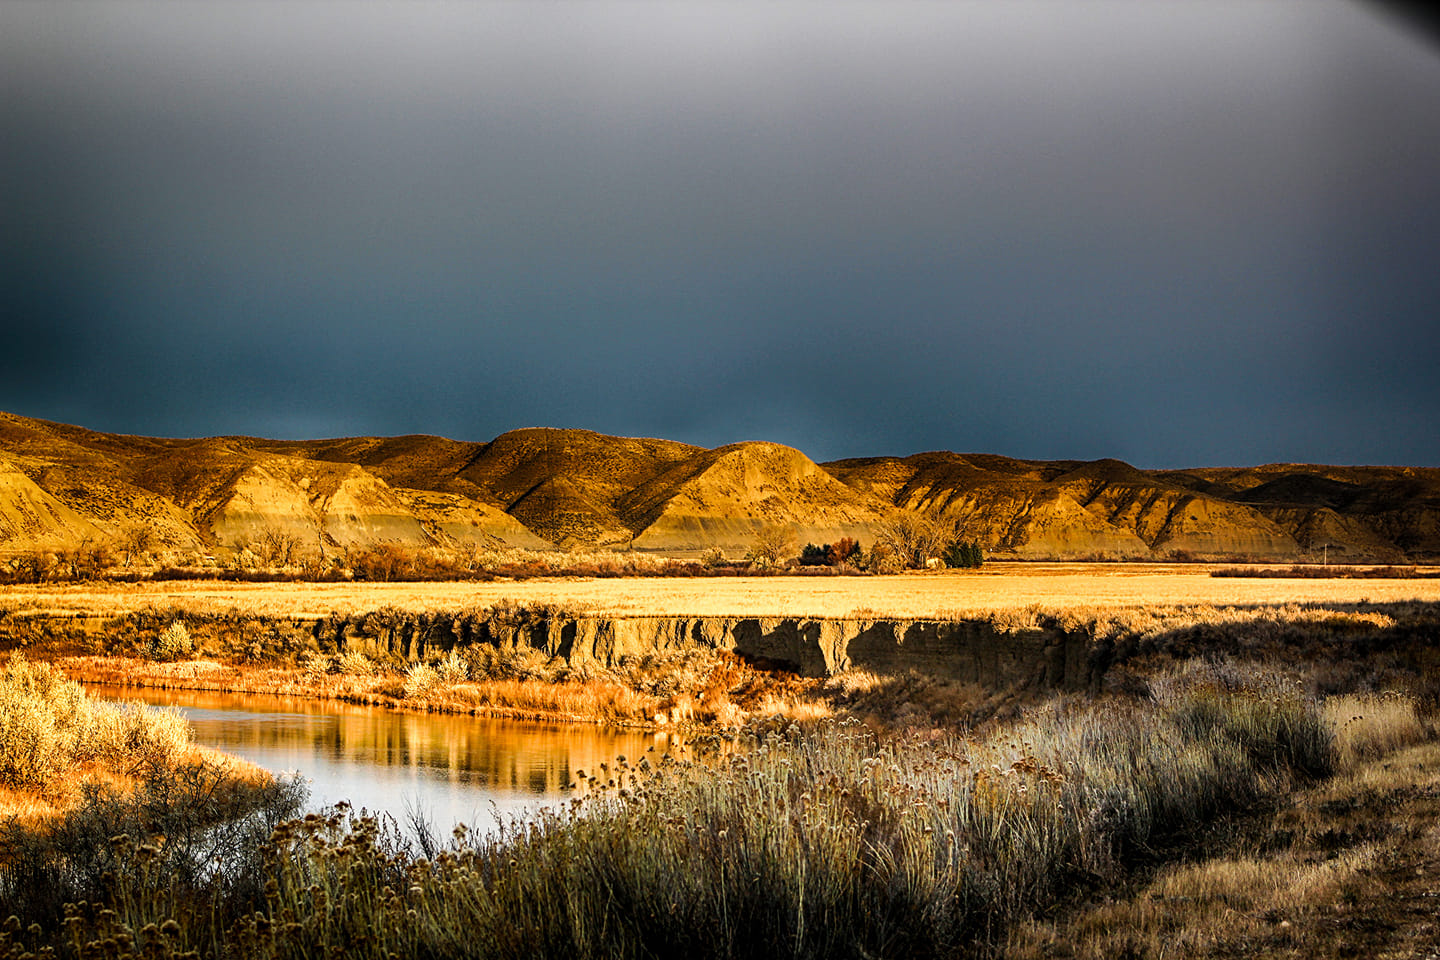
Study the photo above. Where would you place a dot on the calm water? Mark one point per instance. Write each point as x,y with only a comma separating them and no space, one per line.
451,769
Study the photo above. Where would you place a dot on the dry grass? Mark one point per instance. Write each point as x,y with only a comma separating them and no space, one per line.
997,587
704,687
1342,869
1371,725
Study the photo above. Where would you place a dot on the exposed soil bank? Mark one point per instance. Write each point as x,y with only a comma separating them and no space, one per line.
543,662
969,651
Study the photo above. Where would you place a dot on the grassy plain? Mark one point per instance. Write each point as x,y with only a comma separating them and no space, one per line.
996,587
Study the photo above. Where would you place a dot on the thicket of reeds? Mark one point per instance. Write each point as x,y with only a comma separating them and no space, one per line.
806,841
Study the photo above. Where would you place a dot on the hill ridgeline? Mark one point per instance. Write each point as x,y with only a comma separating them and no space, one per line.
62,485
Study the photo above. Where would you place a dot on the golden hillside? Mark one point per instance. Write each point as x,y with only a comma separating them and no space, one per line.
63,485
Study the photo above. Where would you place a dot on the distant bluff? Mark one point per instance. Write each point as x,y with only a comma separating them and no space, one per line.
60,485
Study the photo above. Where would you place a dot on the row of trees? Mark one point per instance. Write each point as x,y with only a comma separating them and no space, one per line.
905,542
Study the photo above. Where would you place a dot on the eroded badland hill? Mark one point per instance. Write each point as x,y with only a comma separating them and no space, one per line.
61,485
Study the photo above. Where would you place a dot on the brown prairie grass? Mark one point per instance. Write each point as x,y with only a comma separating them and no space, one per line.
998,587
1339,869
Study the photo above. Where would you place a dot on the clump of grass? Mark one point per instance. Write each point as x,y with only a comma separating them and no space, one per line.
1371,725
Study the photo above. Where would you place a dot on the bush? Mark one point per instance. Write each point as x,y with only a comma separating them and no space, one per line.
420,680
489,662
963,554
453,669
48,724
353,663
173,643
188,839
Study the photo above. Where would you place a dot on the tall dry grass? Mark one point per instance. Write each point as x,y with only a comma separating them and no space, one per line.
806,842
1371,725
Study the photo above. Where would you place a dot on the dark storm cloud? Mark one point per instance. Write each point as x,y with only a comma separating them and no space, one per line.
1178,233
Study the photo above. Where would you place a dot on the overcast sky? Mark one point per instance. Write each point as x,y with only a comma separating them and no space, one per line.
1178,233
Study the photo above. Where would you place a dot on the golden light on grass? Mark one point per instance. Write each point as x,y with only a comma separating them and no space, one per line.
56,742
997,587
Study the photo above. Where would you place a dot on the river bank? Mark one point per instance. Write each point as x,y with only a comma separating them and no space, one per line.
548,663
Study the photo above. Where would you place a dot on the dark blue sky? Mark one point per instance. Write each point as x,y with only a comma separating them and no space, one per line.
1175,233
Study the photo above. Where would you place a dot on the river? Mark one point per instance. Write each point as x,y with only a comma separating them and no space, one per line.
450,769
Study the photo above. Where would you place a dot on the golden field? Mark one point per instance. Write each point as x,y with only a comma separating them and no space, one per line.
998,586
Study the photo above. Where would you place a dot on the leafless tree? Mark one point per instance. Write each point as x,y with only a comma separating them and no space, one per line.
915,537
136,540
276,548
772,544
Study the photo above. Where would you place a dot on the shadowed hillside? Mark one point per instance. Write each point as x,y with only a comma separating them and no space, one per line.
62,485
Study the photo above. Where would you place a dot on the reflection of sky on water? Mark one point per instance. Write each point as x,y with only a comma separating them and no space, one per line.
450,769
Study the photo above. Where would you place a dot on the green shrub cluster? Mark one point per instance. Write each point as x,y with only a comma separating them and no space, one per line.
964,554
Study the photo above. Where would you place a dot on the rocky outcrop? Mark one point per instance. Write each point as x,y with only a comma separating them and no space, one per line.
972,651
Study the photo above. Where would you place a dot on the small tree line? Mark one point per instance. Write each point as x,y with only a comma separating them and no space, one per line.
906,542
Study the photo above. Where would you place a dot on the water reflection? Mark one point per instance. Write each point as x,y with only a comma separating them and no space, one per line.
450,769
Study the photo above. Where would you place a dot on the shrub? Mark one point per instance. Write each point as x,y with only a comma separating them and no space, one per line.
188,839
489,662
132,735
316,667
173,643
453,669
353,663
712,558
47,724
420,680
963,554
